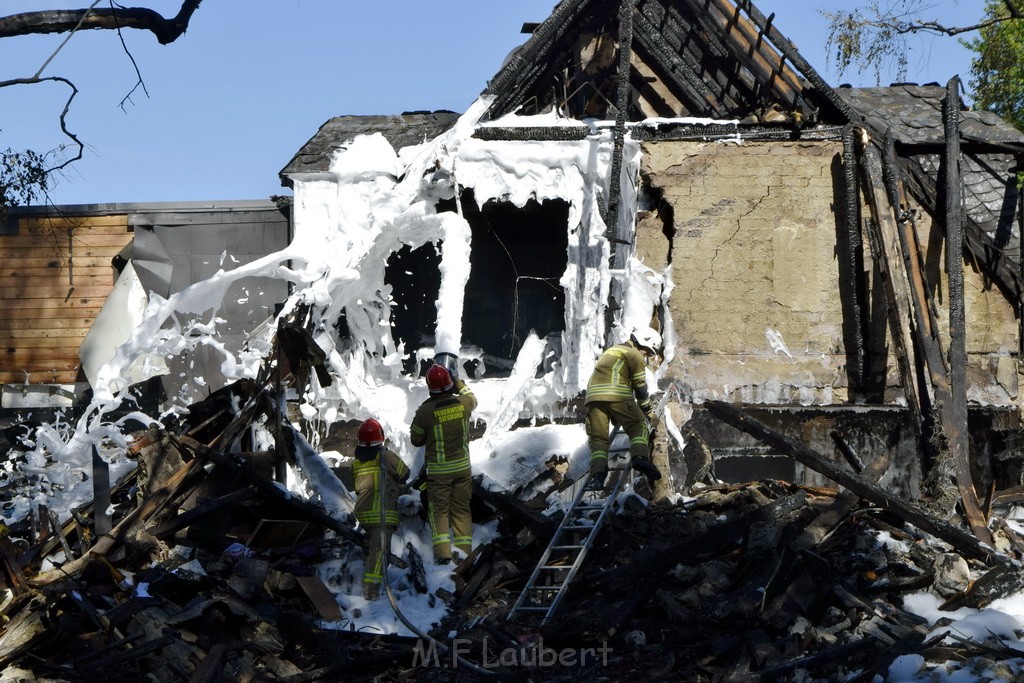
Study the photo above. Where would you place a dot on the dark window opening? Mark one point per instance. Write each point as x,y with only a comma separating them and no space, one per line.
415,280
518,258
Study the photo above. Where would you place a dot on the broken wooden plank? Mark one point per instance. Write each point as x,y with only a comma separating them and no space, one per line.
26,631
139,515
100,494
883,240
323,600
844,502
964,543
198,512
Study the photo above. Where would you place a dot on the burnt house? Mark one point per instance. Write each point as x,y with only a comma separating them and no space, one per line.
790,239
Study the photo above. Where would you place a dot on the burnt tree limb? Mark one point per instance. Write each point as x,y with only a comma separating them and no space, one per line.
963,542
166,30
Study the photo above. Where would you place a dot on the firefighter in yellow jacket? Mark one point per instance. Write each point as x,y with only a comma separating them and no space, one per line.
441,424
617,393
366,470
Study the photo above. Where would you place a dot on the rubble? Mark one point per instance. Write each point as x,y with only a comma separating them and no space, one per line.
210,571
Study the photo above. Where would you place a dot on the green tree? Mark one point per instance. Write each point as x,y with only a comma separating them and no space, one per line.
873,37
997,72
25,173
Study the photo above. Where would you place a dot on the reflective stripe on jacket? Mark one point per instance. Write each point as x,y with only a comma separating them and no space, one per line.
619,375
367,480
441,424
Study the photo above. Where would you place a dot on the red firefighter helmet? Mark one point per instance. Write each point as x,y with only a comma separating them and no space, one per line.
438,379
370,433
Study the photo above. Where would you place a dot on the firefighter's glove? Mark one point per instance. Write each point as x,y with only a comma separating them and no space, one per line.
648,409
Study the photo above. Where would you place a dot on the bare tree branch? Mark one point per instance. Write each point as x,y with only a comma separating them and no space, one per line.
65,41
917,26
138,83
63,115
59,21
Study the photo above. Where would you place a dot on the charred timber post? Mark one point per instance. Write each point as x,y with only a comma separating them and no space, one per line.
883,247
955,261
615,235
963,542
853,262
955,410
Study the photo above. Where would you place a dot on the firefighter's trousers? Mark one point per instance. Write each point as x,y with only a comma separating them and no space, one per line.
627,414
373,567
448,497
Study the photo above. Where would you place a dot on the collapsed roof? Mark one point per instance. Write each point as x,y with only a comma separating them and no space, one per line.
725,60
991,149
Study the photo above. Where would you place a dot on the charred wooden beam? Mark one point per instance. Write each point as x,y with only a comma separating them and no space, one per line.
852,263
617,236
962,542
188,517
520,71
100,494
789,51
884,241
956,432
270,488
653,565
843,504
996,583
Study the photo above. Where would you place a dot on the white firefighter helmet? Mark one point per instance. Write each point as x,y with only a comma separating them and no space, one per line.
647,338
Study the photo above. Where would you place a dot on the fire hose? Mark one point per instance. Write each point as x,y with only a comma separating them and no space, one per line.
385,551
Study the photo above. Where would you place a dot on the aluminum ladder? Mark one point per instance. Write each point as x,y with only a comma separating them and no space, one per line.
573,538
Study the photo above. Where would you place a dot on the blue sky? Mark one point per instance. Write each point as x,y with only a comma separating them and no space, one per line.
233,99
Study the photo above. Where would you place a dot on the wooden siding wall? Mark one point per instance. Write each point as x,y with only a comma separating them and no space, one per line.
55,275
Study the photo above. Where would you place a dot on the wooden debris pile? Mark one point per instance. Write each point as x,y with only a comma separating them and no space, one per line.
207,571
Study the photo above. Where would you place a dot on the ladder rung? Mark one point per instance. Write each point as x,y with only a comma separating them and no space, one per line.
577,528
559,567
567,547
545,588
533,609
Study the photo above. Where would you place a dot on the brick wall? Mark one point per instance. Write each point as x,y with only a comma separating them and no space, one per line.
754,255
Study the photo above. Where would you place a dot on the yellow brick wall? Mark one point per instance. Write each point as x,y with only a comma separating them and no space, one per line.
754,248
